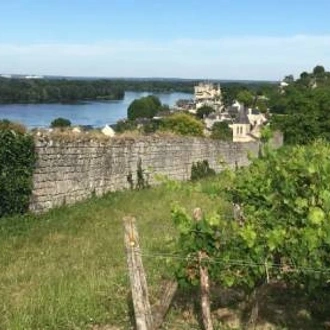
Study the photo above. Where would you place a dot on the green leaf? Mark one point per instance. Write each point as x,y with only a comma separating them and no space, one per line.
229,280
249,235
275,238
316,215
325,196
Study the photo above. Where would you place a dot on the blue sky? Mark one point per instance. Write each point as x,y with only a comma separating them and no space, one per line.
221,39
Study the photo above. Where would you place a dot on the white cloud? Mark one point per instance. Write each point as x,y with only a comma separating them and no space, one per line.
223,58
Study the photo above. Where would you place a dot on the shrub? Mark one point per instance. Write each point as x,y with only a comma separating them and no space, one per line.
17,159
221,131
279,232
286,200
201,170
183,124
125,125
60,123
151,127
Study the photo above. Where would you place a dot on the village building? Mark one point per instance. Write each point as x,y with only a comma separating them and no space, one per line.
108,131
248,124
207,94
213,118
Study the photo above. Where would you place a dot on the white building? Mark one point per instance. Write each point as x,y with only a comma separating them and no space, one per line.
208,94
108,131
247,126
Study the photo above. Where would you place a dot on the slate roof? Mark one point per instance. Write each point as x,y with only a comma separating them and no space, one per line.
255,112
242,117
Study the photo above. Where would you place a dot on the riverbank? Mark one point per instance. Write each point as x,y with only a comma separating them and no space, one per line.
95,113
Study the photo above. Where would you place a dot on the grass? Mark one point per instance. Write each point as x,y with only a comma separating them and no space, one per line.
67,269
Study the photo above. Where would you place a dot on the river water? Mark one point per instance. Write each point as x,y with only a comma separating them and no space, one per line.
92,113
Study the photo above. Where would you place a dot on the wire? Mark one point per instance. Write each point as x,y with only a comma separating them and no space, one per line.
233,262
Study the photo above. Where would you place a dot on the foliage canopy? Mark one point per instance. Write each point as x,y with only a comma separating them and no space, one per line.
145,107
221,131
301,110
57,90
283,232
60,123
183,124
205,110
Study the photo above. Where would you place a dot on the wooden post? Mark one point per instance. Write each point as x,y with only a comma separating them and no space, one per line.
204,279
140,295
162,307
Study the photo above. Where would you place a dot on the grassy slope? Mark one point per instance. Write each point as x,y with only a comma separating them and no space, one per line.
67,269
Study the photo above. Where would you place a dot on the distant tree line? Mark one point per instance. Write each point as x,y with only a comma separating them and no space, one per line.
57,91
155,85
66,90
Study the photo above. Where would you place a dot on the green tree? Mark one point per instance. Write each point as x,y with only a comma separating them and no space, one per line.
261,105
304,75
319,70
300,120
289,79
145,107
305,113
205,110
60,123
183,124
246,98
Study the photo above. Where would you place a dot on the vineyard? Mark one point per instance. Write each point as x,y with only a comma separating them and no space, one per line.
266,257
279,234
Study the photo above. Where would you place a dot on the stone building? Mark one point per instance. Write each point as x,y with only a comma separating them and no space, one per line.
208,94
247,126
242,128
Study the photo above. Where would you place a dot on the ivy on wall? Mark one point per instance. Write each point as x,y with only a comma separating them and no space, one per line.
17,161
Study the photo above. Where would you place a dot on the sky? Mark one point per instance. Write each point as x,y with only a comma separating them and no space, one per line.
210,39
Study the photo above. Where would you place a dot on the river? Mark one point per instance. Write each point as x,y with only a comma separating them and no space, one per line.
92,113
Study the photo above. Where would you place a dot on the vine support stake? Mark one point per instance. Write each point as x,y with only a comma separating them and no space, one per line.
204,281
140,295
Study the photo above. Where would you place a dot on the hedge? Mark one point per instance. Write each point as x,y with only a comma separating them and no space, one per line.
17,161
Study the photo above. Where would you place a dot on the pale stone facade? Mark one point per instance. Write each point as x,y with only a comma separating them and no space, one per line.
208,94
248,125
242,133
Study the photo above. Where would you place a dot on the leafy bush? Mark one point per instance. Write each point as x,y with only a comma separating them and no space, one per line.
283,229
201,170
183,124
17,159
151,127
221,131
60,123
125,125
286,200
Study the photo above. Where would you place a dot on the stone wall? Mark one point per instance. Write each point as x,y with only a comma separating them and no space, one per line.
68,172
